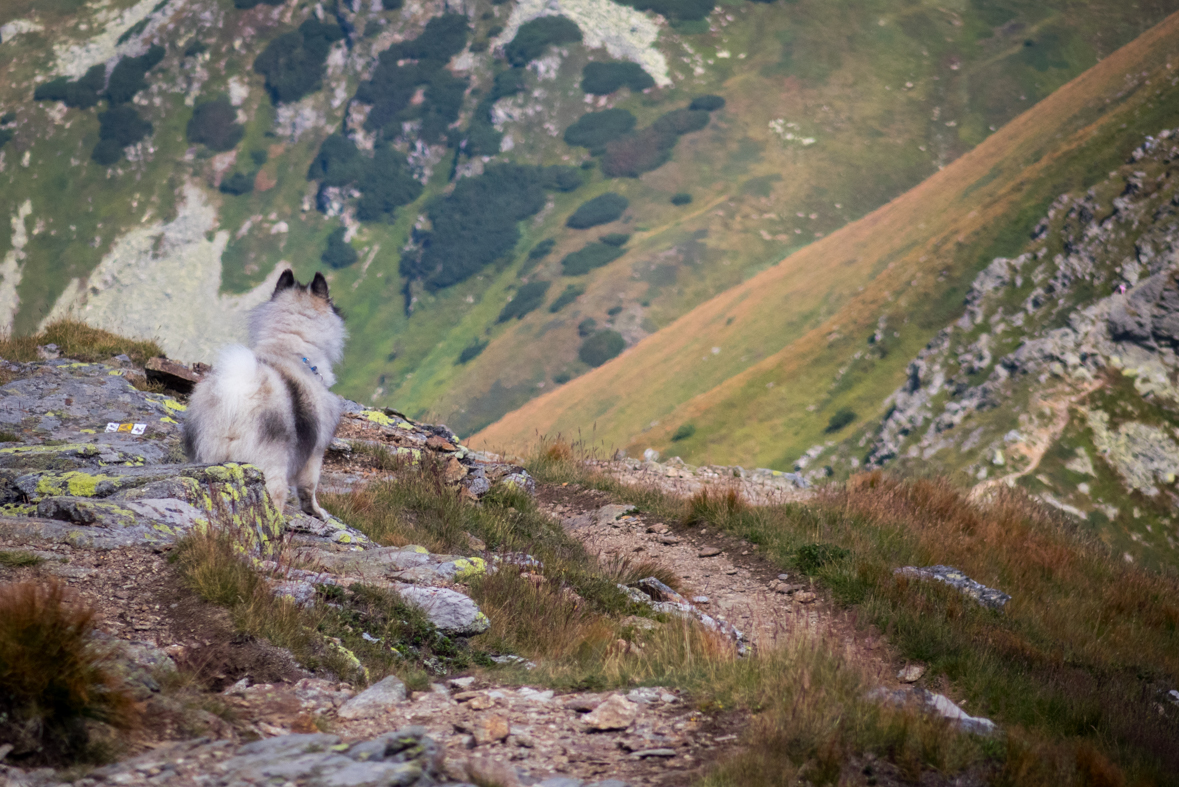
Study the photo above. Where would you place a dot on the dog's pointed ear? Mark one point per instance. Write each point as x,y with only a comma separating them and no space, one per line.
285,282
319,287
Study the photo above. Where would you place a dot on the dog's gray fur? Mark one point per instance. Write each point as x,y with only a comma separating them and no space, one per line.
269,404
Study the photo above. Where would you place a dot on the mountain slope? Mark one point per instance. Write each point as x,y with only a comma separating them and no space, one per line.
829,111
760,370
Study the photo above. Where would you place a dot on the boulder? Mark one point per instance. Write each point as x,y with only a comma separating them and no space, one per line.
616,713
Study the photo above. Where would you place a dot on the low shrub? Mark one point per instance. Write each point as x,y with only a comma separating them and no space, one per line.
589,257
338,252
337,163
248,4
675,10
476,224
127,78
601,79
471,351
594,130
237,184
259,156
681,198
811,557
442,101
681,121
194,47
683,433
6,136
842,418
443,37
507,83
533,37
561,178
632,155
529,297
54,679
542,249
293,62
214,125
601,347
572,292
602,209
707,103
81,93
117,128
586,327
386,185
617,239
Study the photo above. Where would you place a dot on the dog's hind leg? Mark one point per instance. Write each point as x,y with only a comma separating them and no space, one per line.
306,484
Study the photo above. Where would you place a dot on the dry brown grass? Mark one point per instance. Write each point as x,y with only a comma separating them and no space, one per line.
54,680
79,342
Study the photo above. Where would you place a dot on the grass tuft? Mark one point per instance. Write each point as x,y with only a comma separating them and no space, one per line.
79,342
19,559
54,680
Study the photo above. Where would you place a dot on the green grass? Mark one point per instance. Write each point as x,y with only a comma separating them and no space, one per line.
1086,643
20,559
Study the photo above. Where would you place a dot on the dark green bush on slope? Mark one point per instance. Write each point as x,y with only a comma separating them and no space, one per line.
707,103
602,209
841,419
533,37
615,238
81,93
632,155
601,347
5,137
475,224
386,185
339,252
572,292
248,4
237,184
675,10
561,178
392,86
591,256
471,351
337,163
594,130
118,128
127,78
293,62
527,298
601,79
214,124
542,249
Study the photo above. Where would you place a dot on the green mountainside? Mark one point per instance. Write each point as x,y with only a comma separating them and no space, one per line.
505,199
1012,320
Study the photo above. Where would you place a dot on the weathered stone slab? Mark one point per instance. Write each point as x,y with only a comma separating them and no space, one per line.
987,597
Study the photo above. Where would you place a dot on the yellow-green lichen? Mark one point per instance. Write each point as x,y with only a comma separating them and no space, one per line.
75,483
469,567
416,548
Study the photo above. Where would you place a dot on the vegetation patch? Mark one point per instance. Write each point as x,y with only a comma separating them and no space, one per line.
683,432
594,130
617,239
385,181
842,418
118,127
708,103
81,93
338,253
54,679
643,151
601,347
529,297
589,257
572,292
127,78
602,209
535,36
214,124
475,224
601,79
675,10
681,198
293,62
237,184
471,351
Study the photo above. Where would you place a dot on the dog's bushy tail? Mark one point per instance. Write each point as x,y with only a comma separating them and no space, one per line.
222,404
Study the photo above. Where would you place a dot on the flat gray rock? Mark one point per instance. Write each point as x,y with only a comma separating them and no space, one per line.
987,597
378,698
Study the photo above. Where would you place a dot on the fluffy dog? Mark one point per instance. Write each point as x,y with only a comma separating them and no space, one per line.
269,404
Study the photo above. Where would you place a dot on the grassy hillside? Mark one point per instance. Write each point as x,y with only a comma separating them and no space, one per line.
830,110
760,370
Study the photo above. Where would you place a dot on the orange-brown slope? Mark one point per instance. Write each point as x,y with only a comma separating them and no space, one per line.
794,324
